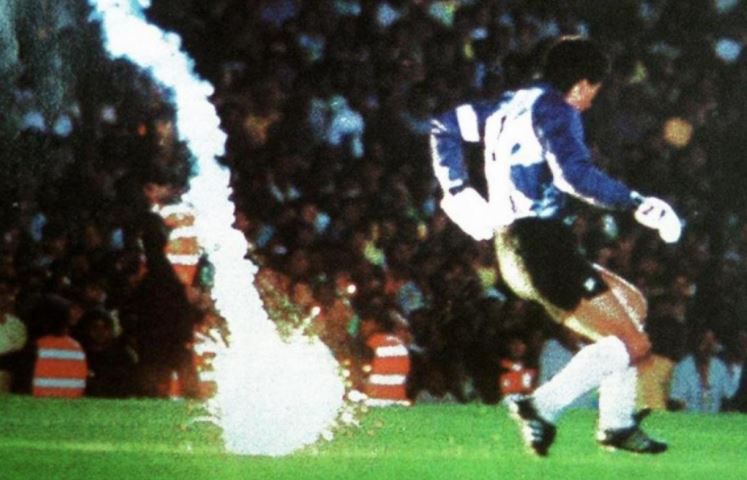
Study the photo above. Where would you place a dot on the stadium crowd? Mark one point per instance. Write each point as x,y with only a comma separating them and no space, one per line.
327,106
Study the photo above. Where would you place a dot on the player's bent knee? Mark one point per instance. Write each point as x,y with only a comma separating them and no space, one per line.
638,346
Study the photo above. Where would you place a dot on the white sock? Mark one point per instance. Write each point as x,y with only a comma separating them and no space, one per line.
585,371
617,399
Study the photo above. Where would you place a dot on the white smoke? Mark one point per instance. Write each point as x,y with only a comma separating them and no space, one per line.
274,396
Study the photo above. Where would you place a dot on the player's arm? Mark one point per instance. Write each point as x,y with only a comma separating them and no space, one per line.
559,128
461,202
449,133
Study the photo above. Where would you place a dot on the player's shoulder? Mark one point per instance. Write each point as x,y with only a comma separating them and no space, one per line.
487,107
550,111
548,101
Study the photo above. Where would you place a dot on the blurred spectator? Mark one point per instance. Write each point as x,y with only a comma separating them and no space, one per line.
655,374
334,314
739,402
111,363
60,369
735,356
12,335
516,377
654,378
437,388
326,105
277,12
336,124
160,318
700,382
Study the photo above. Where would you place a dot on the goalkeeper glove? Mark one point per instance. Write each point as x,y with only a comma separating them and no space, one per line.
655,213
470,212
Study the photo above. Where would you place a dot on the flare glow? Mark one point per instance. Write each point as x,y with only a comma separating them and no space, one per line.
274,395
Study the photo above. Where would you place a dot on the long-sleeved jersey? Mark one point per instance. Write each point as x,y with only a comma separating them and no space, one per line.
534,153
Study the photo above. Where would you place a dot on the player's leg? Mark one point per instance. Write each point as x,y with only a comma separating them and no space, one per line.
618,425
540,262
615,318
617,390
606,364
585,371
604,320
618,312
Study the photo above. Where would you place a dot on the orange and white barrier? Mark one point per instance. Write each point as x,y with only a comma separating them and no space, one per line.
387,381
516,378
61,369
183,248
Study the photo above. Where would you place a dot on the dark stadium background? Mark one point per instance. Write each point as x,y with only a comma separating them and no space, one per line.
81,134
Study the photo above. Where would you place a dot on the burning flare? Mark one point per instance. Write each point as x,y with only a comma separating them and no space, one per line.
274,396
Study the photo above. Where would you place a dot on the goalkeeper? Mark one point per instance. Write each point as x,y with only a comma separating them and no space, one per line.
534,157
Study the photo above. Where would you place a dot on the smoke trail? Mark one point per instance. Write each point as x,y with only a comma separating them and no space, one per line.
273,396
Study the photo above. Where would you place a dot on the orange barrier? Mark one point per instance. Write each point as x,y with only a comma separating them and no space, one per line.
60,369
387,381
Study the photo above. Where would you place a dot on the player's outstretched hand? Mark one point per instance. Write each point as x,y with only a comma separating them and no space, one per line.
470,211
655,213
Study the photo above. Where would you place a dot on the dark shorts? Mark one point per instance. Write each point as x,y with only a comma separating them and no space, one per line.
540,261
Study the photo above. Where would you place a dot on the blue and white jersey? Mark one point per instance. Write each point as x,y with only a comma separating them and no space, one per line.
534,153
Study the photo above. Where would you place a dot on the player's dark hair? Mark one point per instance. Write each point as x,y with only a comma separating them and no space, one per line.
572,59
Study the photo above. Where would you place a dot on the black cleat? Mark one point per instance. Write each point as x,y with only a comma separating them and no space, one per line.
632,439
537,432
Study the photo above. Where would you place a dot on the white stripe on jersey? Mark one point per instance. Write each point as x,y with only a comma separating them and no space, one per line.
442,171
510,141
467,118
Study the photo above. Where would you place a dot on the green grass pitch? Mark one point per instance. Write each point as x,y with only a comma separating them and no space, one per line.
139,439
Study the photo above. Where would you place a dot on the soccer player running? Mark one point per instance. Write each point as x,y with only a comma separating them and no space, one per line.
535,156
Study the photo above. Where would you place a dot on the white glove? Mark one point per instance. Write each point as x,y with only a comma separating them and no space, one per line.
655,213
470,211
